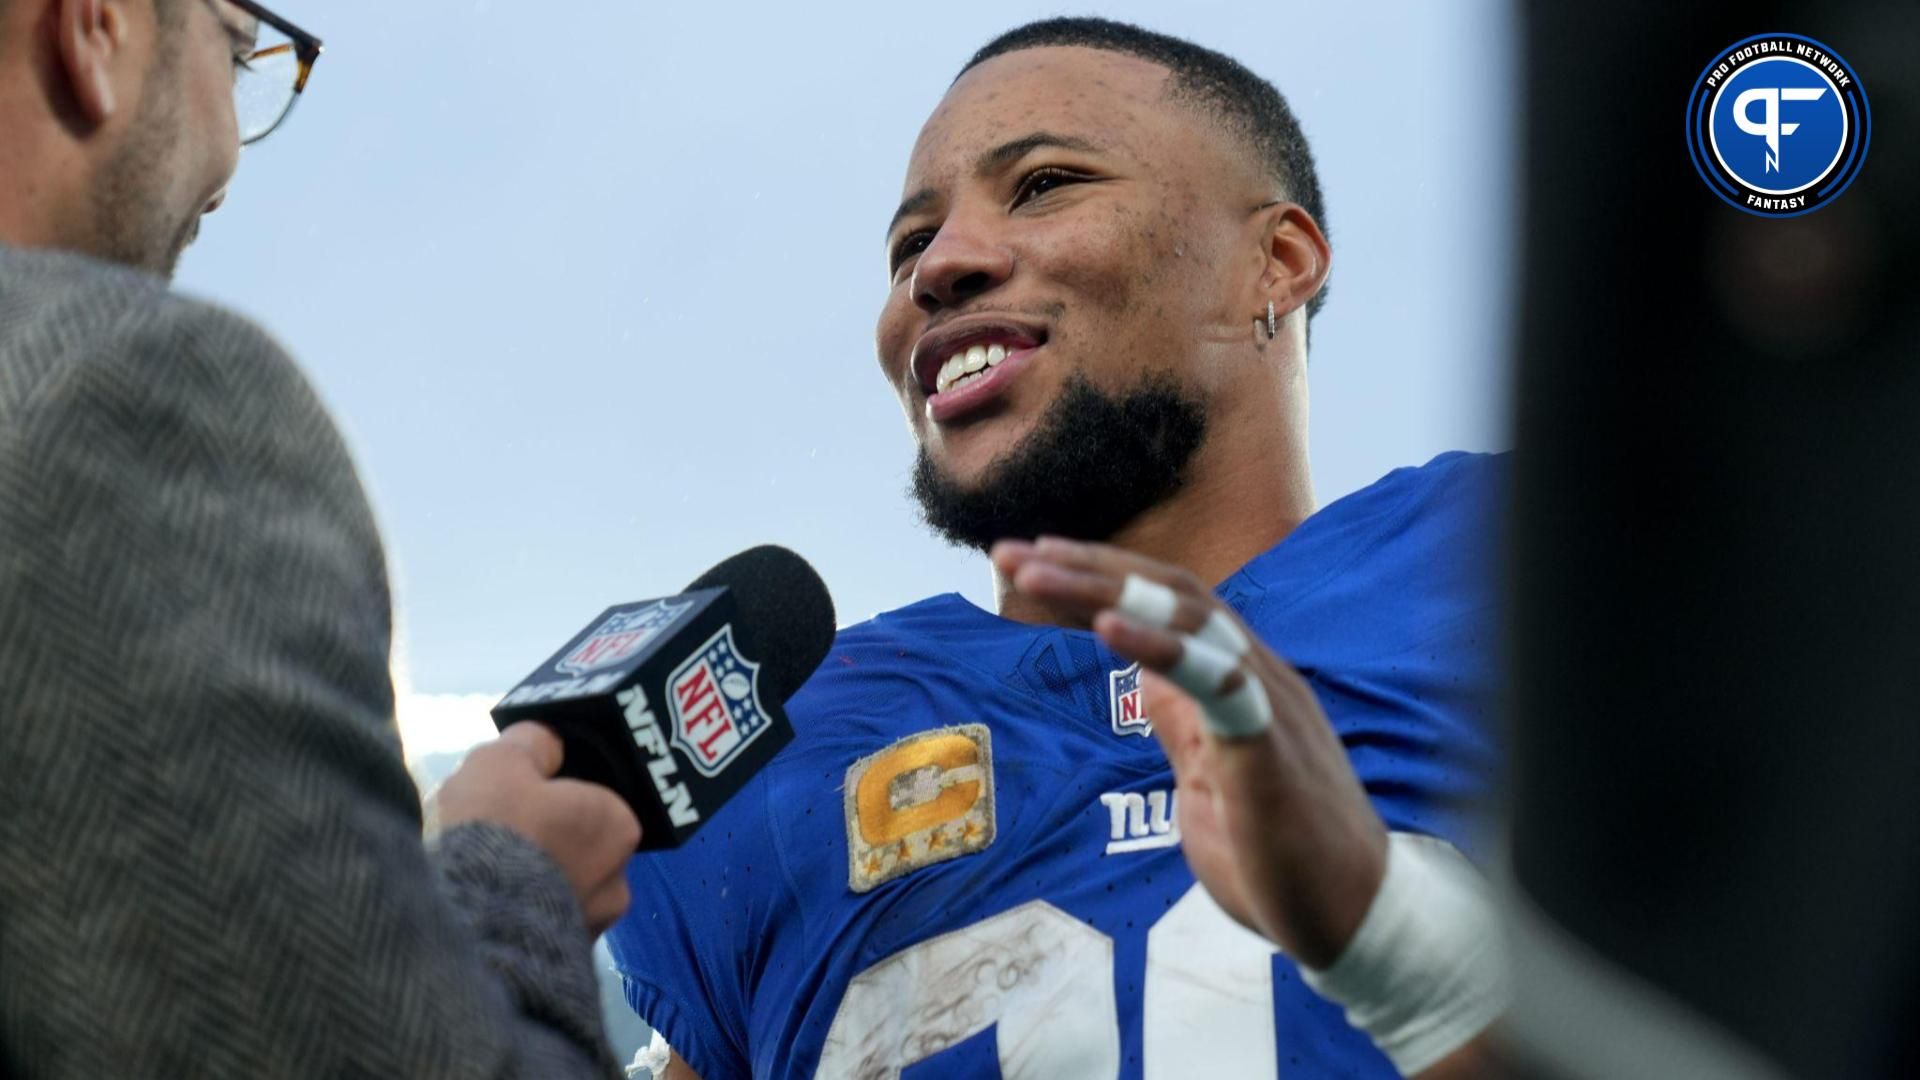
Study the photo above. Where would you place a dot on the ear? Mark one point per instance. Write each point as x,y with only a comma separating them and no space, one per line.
1298,258
92,38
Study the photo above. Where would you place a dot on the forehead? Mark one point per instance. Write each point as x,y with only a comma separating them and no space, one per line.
1111,99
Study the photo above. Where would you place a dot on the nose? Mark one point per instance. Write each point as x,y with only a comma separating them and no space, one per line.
960,263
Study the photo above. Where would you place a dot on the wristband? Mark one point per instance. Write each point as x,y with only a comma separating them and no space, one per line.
1426,971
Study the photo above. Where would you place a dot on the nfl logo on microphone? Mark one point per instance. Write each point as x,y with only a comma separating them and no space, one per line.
621,637
715,700
1123,690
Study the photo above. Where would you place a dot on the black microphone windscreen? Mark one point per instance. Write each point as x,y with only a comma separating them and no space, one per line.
786,606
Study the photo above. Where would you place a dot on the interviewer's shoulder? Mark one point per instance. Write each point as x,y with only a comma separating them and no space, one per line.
76,333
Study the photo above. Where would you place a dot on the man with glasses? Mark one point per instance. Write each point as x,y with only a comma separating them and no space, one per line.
210,850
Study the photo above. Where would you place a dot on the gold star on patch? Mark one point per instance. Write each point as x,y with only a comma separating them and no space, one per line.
936,840
873,865
968,832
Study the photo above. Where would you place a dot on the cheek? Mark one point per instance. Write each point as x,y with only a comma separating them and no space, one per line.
1111,259
1142,281
894,336
216,131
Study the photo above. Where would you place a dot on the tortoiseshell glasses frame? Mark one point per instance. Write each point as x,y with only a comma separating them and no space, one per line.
270,80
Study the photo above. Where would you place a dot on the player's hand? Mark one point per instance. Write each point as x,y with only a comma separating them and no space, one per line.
1274,824
587,829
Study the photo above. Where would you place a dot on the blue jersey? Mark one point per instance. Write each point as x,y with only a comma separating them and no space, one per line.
967,863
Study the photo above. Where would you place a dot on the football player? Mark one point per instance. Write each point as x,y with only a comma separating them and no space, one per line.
975,859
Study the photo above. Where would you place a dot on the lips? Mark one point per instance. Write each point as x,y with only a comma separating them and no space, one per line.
948,351
963,364
974,391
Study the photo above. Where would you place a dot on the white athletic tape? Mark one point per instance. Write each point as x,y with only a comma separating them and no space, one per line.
1202,668
1427,969
1148,602
1241,714
1222,632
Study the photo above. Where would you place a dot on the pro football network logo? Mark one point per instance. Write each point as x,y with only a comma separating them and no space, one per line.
715,701
1123,691
621,637
1778,125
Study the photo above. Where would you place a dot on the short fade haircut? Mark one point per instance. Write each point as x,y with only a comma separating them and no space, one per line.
1247,106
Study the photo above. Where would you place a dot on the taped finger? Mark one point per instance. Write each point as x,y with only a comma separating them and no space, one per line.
1240,714
1202,669
1223,633
1148,602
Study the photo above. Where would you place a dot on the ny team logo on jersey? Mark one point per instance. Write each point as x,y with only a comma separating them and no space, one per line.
621,637
925,799
715,701
1129,715
1140,822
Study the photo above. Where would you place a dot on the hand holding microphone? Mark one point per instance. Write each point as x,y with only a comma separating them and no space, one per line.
637,731
675,703
586,829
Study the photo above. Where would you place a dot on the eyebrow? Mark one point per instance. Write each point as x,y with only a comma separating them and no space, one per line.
913,204
997,158
1007,152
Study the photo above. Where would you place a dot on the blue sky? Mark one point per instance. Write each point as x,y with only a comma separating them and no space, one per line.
591,287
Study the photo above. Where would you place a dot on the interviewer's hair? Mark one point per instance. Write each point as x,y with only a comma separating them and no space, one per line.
167,13
1245,105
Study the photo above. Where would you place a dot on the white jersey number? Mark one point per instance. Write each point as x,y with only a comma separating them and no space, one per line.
1044,980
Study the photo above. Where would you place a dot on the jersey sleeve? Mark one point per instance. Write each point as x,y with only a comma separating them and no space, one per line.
1426,743
1400,641
693,936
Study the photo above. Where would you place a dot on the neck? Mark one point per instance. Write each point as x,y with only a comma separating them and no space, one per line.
34,205
43,167
1248,487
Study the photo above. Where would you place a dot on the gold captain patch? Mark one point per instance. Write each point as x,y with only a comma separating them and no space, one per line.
925,799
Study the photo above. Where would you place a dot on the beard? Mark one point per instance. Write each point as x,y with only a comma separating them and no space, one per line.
1091,465
133,221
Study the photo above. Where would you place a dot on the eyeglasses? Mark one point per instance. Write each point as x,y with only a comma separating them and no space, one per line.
268,79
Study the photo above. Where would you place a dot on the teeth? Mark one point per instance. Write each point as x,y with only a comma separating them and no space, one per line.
949,371
966,365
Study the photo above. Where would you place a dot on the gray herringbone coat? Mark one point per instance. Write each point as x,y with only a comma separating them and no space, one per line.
210,854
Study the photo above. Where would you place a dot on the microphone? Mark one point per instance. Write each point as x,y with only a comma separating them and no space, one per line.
675,703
